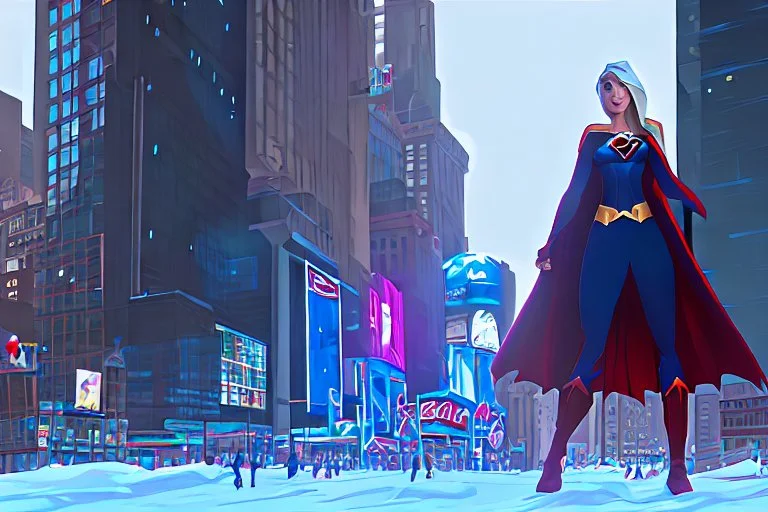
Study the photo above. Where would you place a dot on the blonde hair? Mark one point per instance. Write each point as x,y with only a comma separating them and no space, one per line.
633,119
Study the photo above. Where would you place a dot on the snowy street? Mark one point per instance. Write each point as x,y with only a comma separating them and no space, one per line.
116,487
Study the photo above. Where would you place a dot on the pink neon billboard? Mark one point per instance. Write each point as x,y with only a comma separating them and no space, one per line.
386,316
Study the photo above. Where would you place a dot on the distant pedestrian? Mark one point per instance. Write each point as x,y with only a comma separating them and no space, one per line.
415,466
429,464
236,468
292,465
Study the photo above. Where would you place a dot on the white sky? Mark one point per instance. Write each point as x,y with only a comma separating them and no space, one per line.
518,88
17,52
518,82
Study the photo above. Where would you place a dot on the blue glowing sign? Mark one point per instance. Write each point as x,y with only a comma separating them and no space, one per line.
472,279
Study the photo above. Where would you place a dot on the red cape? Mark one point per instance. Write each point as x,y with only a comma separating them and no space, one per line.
545,341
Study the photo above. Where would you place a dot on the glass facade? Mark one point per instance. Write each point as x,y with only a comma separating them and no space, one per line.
243,370
385,155
69,316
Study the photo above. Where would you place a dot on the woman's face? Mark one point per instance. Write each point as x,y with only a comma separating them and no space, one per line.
614,95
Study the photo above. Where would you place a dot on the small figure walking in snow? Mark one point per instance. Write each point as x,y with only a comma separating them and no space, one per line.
236,468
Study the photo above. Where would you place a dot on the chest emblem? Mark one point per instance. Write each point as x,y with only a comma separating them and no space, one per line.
625,145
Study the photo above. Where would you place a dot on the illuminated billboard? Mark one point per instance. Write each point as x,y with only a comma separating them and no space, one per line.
88,390
485,331
18,357
386,316
472,279
324,354
243,370
456,330
446,414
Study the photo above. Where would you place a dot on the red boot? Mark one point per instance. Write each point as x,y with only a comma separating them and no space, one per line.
575,401
676,422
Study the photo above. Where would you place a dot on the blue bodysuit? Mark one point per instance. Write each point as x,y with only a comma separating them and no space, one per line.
612,251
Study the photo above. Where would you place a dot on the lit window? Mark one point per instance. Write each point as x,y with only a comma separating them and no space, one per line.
149,87
102,87
214,77
75,153
53,141
151,234
52,178
221,92
221,2
75,128
199,61
232,114
66,82
77,6
52,41
66,10
75,104
226,27
53,88
157,32
52,162
66,108
76,52
73,181
66,59
76,29
233,100
90,95
53,65
75,80
155,150
101,116
65,133
94,119
147,19
191,54
53,113
93,69
66,35
64,156
52,17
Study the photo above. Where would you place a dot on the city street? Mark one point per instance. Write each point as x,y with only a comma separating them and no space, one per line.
117,487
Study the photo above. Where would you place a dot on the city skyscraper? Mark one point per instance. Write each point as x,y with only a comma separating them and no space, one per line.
721,117
140,125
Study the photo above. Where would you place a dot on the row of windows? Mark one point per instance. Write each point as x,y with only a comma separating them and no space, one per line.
758,419
68,9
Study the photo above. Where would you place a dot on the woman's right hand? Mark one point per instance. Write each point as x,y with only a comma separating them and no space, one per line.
544,265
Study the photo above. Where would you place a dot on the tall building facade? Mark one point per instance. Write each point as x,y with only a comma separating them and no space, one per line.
417,214
150,276
17,180
306,133
721,80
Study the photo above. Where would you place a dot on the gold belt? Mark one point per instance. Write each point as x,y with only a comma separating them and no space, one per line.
605,214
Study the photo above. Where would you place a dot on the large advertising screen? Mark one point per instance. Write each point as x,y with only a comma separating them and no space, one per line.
485,331
243,370
324,353
88,390
472,279
386,315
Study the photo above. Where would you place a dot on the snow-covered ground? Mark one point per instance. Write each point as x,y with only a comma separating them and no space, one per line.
115,487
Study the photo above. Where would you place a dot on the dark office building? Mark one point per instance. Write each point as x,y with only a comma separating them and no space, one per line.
722,76
306,135
147,240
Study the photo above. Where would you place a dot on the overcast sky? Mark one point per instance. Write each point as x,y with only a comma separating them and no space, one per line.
518,88
518,82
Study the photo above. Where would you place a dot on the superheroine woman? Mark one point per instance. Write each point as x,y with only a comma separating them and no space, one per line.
620,304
